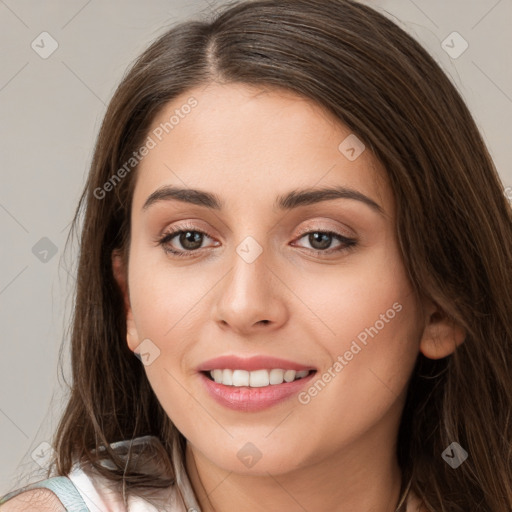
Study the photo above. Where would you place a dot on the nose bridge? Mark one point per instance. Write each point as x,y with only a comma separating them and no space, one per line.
251,293
248,280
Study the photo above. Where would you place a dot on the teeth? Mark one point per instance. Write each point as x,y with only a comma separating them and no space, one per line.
240,378
227,377
276,376
257,378
289,375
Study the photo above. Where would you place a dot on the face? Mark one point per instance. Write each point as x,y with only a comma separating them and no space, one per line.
318,284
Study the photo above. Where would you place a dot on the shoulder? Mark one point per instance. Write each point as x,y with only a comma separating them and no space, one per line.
34,500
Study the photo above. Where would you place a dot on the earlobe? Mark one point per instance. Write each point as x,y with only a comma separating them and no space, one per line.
121,276
441,335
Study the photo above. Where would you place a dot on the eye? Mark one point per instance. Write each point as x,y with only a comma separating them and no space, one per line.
322,240
188,237
191,240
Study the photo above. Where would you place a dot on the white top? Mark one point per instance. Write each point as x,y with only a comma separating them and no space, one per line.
99,496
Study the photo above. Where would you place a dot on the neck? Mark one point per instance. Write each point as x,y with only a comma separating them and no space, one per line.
364,476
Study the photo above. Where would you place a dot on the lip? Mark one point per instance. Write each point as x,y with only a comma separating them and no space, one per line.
233,362
247,399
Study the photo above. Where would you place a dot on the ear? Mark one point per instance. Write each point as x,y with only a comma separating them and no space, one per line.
441,335
120,272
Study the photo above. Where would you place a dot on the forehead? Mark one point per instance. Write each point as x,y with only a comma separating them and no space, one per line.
246,143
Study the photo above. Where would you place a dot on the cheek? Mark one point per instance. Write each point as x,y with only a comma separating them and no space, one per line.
368,291
370,332
163,302
165,298
372,361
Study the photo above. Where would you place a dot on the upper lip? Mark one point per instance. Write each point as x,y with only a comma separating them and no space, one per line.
250,363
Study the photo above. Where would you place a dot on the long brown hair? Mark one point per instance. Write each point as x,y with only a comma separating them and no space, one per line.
454,228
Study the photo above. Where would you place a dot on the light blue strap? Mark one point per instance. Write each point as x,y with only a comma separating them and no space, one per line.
62,486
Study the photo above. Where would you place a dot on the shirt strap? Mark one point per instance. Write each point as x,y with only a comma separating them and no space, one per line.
61,486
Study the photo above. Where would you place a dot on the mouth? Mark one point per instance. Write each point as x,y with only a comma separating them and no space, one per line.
253,391
256,378
254,383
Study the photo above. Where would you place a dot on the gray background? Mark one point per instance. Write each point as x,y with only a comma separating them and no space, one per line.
51,111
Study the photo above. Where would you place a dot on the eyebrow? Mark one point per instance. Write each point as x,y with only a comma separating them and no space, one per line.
293,199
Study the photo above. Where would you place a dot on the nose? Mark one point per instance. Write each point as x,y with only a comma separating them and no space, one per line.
251,296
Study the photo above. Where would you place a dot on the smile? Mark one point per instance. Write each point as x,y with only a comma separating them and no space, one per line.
257,378
242,397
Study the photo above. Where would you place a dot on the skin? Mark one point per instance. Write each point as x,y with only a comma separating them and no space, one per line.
248,146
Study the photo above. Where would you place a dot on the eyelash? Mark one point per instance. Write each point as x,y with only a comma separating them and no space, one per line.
349,243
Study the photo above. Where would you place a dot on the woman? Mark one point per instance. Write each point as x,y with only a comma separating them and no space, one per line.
292,221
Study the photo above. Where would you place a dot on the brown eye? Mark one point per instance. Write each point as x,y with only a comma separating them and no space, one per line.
189,238
321,241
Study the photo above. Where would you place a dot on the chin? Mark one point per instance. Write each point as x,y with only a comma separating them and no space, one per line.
256,459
